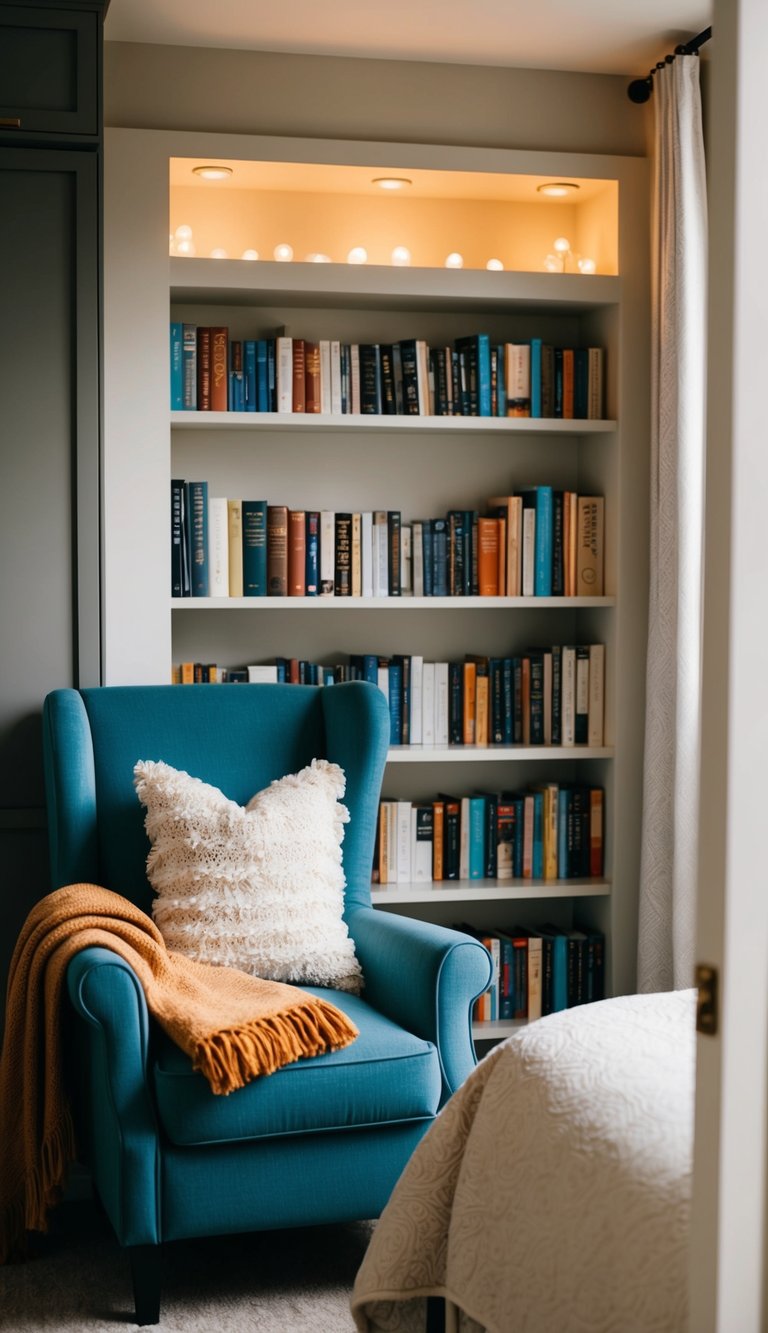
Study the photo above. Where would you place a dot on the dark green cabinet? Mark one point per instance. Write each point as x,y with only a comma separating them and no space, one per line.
50,412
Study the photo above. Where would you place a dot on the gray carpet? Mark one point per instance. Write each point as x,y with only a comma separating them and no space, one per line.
276,1282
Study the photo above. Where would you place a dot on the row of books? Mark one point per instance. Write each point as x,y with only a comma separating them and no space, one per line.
539,971
541,696
539,542
549,831
475,376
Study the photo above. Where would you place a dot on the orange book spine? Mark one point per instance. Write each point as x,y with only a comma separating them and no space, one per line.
470,700
568,378
481,711
438,820
299,369
297,552
277,550
596,831
312,377
488,556
219,369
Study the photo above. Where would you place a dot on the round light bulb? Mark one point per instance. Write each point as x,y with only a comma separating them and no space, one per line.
283,253
587,266
561,245
183,233
186,248
495,264
250,254
357,255
218,253
454,260
317,258
401,256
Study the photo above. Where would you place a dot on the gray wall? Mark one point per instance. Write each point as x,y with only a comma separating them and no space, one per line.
256,92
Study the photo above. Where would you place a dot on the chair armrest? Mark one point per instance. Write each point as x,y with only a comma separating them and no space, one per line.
425,978
116,1105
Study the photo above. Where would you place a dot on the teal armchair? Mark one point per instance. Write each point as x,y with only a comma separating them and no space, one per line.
322,1140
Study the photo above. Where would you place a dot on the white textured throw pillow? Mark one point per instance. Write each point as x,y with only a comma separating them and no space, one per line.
260,888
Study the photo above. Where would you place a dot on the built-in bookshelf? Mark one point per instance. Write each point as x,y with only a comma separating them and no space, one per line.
417,465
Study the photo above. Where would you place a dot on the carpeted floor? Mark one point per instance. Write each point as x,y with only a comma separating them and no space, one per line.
275,1282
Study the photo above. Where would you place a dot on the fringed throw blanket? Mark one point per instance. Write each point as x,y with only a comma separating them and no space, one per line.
234,1027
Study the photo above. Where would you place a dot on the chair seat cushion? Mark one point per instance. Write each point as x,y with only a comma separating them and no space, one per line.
387,1075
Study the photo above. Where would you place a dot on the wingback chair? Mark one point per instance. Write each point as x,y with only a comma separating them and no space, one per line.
322,1140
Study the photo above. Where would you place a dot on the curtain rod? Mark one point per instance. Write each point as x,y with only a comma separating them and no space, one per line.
640,90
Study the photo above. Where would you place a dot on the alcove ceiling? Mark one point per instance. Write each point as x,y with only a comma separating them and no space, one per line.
595,36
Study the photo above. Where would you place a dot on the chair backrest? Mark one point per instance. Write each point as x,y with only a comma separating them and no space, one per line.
238,738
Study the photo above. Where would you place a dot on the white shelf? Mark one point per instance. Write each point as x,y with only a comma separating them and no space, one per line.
496,1028
235,282
327,421
327,604
472,754
487,890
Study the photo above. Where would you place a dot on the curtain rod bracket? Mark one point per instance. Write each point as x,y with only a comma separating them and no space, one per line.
639,90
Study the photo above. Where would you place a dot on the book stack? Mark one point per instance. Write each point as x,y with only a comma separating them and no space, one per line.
549,831
472,376
539,970
538,542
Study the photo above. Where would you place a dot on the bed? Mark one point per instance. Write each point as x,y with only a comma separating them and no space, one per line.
552,1193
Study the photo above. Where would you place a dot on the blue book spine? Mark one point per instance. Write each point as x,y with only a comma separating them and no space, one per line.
371,668
541,498
312,558
254,548
249,373
559,973
517,845
476,837
197,509
537,867
439,558
177,375
484,408
563,799
189,367
536,344
236,384
328,676
271,385
263,399
501,385
496,688
508,701
395,702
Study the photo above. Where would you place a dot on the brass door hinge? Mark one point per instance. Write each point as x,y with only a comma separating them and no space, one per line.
708,1000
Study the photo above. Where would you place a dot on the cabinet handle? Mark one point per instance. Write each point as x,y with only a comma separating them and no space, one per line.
10,122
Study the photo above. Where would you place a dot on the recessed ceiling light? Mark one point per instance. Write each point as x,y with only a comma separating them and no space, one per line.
391,182
557,189
212,173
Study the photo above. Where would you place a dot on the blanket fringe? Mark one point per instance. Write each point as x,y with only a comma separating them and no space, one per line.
37,1193
234,1056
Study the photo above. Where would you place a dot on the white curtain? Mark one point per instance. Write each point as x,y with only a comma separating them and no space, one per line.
670,796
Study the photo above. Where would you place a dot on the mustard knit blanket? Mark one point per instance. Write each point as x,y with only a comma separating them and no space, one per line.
233,1026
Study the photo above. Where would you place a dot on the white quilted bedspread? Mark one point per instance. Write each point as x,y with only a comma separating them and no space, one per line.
552,1193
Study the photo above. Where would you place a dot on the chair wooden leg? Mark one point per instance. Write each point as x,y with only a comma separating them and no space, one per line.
146,1277
435,1314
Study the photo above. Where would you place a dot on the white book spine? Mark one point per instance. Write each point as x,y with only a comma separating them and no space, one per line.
596,693
392,841
380,555
406,561
354,366
336,377
568,721
428,703
325,375
421,851
417,671
382,680
366,552
327,552
422,377
529,551
218,547
262,675
417,556
534,977
441,703
403,842
464,839
284,366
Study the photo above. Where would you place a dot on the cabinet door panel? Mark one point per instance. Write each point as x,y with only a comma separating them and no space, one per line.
48,71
